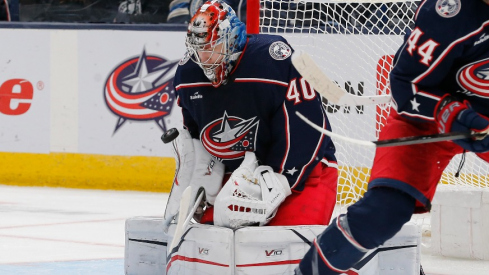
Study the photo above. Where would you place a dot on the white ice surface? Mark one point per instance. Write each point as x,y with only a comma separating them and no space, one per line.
57,225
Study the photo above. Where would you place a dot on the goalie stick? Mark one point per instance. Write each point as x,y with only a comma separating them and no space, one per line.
395,141
184,217
326,87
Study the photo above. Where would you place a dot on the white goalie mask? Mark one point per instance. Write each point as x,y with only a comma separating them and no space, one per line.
215,40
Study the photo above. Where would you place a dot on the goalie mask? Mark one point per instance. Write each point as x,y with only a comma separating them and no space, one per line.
215,40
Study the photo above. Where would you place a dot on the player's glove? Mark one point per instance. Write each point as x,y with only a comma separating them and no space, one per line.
455,116
252,195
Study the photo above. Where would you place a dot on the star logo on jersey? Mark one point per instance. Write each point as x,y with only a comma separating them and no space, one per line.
475,78
141,89
291,171
415,104
229,137
448,8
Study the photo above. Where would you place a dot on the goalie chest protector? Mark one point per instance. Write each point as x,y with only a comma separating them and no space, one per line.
255,111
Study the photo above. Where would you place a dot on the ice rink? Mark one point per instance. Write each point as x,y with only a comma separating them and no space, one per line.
59,231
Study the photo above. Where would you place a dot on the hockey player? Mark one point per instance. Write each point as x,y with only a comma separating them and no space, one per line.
238,94
4,10
439,84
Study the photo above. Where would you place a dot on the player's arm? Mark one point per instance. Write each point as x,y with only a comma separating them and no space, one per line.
297,148
422,63
194,165
4,11
188,120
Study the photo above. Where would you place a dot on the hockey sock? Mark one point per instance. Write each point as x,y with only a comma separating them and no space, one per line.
379,215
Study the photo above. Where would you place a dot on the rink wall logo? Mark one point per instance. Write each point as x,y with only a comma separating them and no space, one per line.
15,96
229,137
475,78
141,89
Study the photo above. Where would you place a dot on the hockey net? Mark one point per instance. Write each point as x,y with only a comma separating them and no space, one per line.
354,44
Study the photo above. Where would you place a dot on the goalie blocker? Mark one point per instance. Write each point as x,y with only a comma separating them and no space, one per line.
208,249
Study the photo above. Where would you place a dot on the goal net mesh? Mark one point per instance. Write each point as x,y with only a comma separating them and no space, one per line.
354,44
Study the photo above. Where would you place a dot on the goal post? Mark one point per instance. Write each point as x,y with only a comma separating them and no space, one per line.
354,43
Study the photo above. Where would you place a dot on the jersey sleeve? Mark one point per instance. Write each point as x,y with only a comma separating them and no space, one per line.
421,65
297,148
188,122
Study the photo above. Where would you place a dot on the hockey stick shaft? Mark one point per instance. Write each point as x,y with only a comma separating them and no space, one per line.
182,224
306,66
194,208
393,142
182,215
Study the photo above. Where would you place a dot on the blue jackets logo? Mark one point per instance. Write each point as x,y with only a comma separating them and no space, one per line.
475,78
230,137
141,89
448,8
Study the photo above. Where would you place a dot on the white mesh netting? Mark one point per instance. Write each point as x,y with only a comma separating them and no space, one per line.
354,43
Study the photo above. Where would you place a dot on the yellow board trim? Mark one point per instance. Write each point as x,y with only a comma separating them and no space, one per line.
152,174
87,171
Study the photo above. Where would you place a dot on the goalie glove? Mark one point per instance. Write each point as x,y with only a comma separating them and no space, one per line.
455,116
194,167
252,195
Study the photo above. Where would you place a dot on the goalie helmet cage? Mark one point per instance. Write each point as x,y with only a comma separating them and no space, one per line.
354,43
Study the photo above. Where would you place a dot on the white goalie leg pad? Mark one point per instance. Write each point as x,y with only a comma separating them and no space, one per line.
272,249
194,167
208,249
205,249
145,246
399,255
252,195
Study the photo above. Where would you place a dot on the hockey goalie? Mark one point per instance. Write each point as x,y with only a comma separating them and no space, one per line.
258,183
236,243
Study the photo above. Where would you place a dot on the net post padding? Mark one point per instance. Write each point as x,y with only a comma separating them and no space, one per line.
253,16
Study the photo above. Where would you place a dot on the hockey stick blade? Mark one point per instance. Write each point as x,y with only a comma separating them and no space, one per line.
306,66
393,142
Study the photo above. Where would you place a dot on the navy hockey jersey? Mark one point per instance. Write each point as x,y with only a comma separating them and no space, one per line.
255,111
447,52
